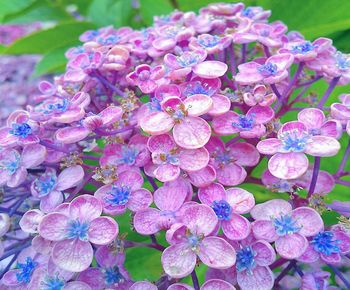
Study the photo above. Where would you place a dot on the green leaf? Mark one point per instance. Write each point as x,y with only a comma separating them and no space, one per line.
148,9
52,62
13,6
44,41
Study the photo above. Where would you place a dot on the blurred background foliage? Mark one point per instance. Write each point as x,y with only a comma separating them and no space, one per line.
65,20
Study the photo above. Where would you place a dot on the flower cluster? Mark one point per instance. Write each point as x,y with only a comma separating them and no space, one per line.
190,133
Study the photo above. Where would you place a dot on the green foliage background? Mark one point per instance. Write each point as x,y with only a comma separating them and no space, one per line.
313,18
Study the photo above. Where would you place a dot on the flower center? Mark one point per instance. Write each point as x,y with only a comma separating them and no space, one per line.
112,39
188,59
209,41
129,155
248,12
268,69
26,270
78,230
112,275
119,195
57,107
154,105
144,75
282,186
293,141
245,259
21,130
342,61
53,283
222,209
45,184
196,88
222,157
194,241
12,165
285,225
325,243
244,123
303,48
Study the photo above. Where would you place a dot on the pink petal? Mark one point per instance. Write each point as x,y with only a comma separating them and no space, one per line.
18,177
269,146
85,208
264,230
261,278
146,221
216,284
240,200
244,154
193,159
69,116
179,286
288,165
30,221
294,126
221,105
282,60
309,256
178,260
143,285
203,177
332,128
222,125
49,202
271,209
211,193
248,73
33,155
217,253
334,258
291,246
10,279
265,254
157,123
70,177
192,133
313,118
132,179
71,135
53,226
200,219
210,69
198,105
72,255
161,143
102,230
168,198
310,221
110,115
77,285
167,172
322,146
237,228
261,114
231,174
344,239
140,199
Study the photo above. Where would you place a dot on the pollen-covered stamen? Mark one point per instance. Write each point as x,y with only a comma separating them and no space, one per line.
21,130
197,88
58,107
118,195
245,123
178,114
11,166
45,184
245,259
325,243
342,61
77,230
170,157
282,186
187,59
112,275
106,174
53,283
209,41
294,141
222,209
129,154
268,69
285,225
222,157
303,48
25,270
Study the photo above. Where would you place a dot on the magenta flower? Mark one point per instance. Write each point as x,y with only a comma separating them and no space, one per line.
143,285
169,200
13,165
110,272
250,125
229,161
49,187
169,159
328,246
341,111
255,13
210,43
259,96
74,230
213,284
30,221
228,206
293,140
189,131
270,71
20,130
116,58
338,67
315,280
147,78
223,9
191,239
126,192
275,221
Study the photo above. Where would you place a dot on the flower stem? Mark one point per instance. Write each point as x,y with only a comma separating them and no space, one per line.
330,89
275,90
231,55
314,176
284,272
195,280
340,275
54,146
344,160
292,83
